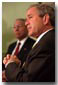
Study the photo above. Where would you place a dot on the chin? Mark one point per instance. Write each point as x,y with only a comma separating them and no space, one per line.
17,37
30,34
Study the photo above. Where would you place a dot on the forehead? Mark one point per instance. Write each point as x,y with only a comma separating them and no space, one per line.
32,10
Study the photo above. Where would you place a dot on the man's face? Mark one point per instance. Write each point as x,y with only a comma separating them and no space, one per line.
34,22
20,30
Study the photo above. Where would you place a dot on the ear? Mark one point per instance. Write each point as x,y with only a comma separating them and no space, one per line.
46,19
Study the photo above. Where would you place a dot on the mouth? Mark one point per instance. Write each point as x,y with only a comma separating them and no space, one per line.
28,27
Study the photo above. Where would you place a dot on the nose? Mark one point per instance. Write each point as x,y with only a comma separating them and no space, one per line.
16,28
27,22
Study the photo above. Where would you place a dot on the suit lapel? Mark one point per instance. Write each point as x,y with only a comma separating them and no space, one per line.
11,48
38,47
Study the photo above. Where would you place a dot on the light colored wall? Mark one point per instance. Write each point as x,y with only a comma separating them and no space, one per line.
11,11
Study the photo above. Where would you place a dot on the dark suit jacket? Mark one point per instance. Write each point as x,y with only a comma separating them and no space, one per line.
39,65
24,51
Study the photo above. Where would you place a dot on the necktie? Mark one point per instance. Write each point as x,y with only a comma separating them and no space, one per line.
17,49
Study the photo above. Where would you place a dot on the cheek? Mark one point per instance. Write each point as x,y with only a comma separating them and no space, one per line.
22,31
39,23
34,25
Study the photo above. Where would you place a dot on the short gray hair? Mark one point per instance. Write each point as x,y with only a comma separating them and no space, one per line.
45,9
21,19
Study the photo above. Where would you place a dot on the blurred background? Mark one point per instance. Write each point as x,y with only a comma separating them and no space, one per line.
10,12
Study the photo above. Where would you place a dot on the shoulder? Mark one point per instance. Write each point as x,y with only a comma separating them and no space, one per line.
48,40
50,35
12,44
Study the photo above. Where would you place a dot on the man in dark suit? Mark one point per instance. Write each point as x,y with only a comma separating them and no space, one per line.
40,62
24,50
21,34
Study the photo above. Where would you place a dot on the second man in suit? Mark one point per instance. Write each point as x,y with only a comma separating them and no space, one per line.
26,43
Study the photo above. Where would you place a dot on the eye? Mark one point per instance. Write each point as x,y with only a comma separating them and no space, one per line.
30,17
18,26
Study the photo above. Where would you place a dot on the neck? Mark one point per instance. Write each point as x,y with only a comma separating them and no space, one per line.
47,28
44,30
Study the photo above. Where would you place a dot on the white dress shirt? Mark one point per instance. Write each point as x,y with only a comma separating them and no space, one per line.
22,43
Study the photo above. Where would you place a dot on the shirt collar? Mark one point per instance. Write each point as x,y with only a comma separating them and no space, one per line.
22,41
